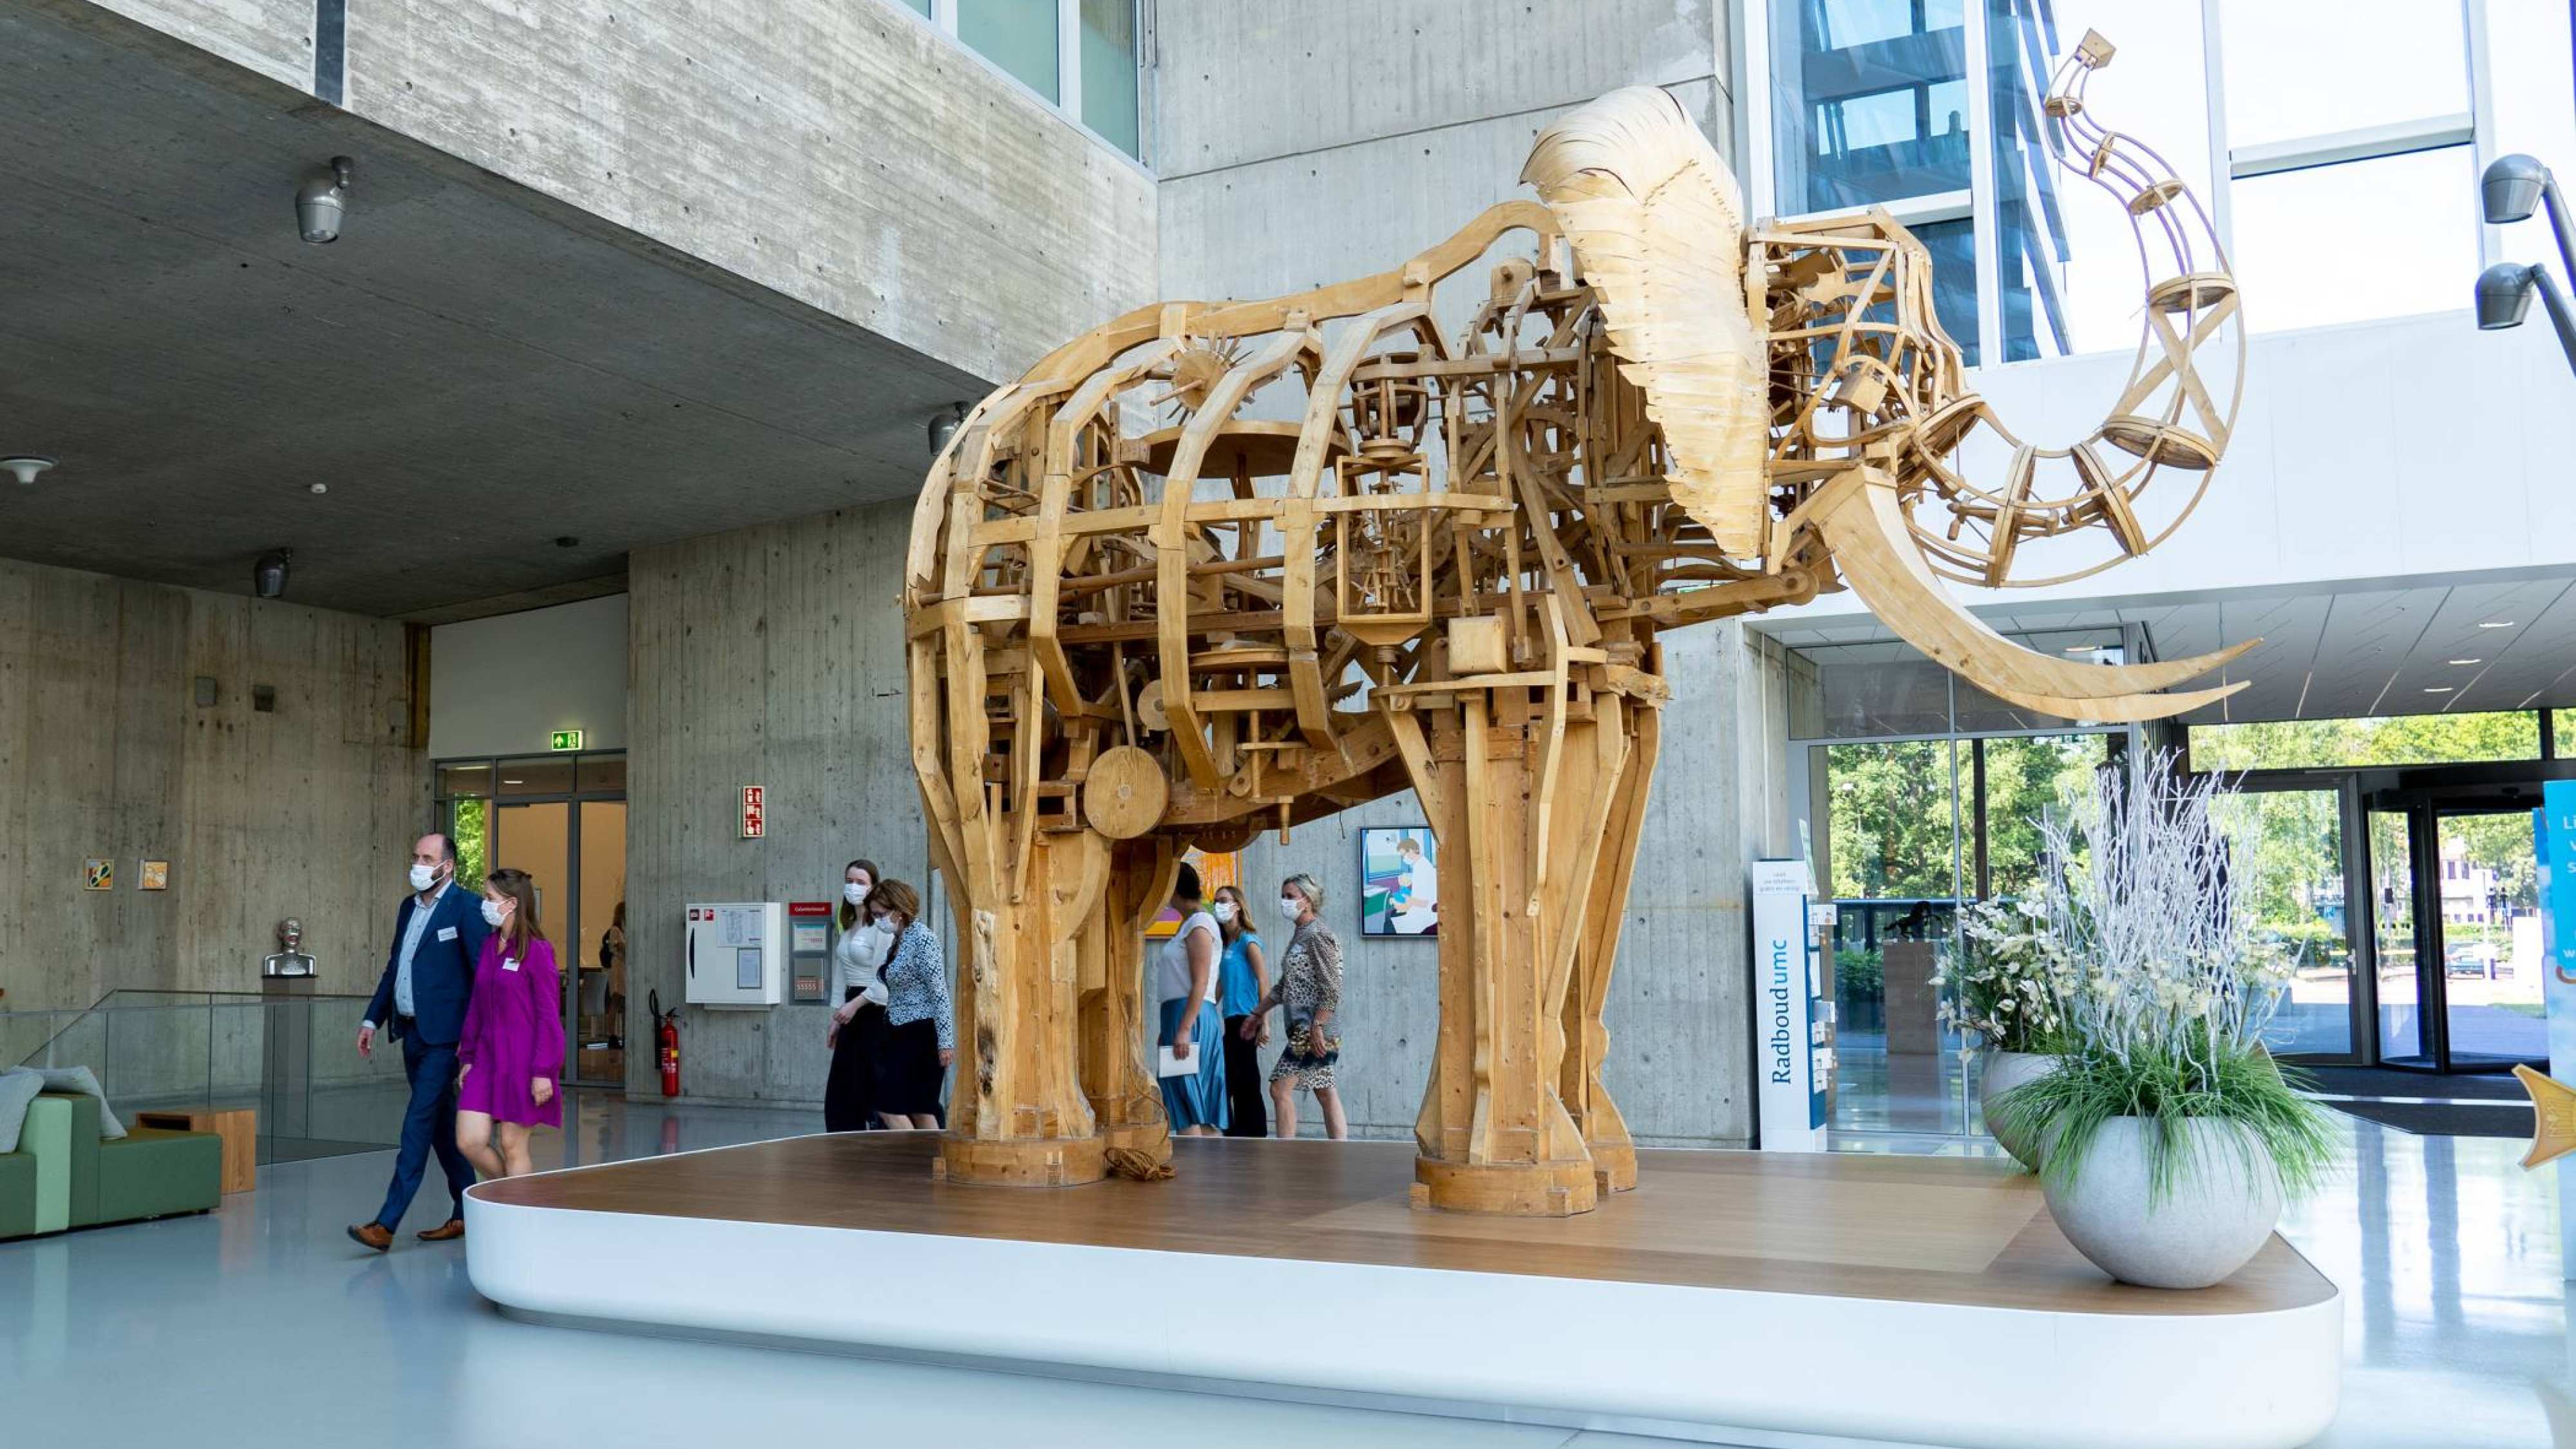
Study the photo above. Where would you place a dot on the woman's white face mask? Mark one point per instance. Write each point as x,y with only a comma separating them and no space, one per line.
1292,907
855,892
1224,912
493,915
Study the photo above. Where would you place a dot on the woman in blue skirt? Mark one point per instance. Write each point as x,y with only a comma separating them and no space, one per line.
1185,978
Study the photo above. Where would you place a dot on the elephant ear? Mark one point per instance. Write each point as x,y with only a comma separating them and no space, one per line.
1655,222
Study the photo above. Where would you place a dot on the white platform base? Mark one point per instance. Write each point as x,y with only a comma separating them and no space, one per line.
1724,1365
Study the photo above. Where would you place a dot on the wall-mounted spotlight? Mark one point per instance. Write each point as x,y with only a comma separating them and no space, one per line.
268,576
322,201
2504,295
2512,188
26,468
943,426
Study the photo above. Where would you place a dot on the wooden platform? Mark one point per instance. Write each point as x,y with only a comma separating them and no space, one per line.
1841,1278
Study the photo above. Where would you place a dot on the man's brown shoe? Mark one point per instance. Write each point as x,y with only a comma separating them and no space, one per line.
446,1232
373,1235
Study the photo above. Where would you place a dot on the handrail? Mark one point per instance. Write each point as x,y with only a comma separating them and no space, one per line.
107,1003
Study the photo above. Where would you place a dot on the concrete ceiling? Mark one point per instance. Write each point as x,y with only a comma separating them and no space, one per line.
473,370
2407,647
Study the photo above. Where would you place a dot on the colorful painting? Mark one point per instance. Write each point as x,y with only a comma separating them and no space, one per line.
1399,881
156,875
1214,871
98,875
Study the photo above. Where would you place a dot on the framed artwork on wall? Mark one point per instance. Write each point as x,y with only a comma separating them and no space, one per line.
1214,871
1399,881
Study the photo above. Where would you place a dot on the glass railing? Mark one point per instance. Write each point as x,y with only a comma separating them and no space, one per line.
293,1059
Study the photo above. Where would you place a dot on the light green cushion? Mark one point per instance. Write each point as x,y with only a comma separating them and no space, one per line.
83,1152
17,1194
150,1173
47,1136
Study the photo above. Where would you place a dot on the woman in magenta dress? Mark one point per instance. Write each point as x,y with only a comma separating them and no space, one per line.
511,1052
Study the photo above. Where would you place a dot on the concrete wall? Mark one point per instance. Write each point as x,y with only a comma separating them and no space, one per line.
501,686
306,811
1303,147
769,656
841,152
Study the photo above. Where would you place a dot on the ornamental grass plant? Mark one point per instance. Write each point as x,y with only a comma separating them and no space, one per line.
2164,989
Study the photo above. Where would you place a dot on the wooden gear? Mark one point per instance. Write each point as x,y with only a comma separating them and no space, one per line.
1287,556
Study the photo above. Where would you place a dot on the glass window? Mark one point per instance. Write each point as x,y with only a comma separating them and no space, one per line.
2026,780
472,778
1870,102
1876,689
2528,46
1109,71
2066,248
1017,35
601,774
1893,832
1953,245
2298,68
469,823
2391,237
917,7
2415,739
545,775
2292,842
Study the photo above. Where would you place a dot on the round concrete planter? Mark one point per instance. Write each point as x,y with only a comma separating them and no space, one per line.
2222,1202
1998,1073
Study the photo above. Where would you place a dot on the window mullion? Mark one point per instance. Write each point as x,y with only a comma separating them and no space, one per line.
1979,69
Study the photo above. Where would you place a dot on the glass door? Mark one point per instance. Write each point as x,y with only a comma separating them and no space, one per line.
2400,988
2293,842
562,819
2489,935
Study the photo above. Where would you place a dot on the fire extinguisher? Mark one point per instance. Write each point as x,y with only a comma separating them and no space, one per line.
666,1036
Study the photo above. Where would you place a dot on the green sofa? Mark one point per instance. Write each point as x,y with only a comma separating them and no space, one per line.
62,1176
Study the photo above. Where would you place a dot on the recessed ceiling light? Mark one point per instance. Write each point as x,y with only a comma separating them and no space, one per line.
2437,689
514,782
2495,623
317,488
2468,661
2082,648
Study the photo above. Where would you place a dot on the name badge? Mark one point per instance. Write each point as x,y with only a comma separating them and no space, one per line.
447,933
509,963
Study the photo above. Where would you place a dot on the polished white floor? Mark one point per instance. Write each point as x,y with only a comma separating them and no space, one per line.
262,1325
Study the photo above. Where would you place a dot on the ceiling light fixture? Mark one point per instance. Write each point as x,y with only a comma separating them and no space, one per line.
268,576
26,466
2468,661
2439,689
943,426
514,782
323,200
2496,624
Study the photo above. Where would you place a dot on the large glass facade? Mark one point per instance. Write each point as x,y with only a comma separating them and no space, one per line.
2359,121
1870,99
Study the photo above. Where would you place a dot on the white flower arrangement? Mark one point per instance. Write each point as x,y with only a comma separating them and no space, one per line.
2159,982
2012,977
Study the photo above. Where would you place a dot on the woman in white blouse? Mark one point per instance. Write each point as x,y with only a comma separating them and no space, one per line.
858,1020
1185,978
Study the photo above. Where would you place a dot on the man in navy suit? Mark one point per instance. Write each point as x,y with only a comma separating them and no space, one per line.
429,974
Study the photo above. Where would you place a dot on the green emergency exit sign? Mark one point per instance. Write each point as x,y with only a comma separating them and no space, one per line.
566,740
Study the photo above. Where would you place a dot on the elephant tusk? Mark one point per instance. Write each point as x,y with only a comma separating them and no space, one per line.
1867,533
